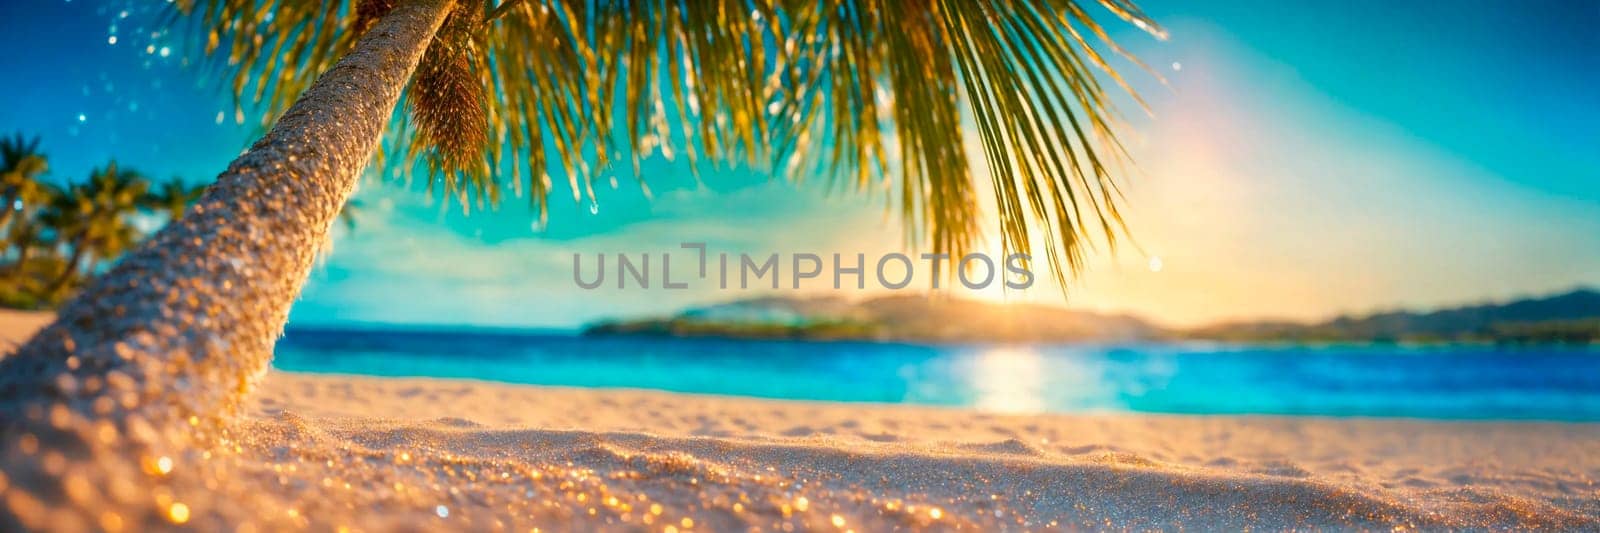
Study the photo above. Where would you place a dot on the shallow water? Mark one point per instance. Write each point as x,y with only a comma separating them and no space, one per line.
1445,382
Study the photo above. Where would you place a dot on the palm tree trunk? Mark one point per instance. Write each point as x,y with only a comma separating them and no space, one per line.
6,209
23,251
185,324
67,269
151,355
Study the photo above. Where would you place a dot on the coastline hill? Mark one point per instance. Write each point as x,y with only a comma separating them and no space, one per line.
1571,317
888,318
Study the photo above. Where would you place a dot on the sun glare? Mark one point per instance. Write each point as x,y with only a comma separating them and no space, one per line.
1009,380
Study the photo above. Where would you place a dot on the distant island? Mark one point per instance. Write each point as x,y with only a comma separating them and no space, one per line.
1571,318
903,318
1568,318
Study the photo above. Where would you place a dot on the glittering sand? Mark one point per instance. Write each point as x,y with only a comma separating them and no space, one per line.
494,454
327,452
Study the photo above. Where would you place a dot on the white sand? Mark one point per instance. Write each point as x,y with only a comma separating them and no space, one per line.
884,466
418,454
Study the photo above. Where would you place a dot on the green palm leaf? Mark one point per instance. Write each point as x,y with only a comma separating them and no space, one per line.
878,95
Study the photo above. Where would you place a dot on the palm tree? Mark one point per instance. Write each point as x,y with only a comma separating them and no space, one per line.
21,164
491,90
172,198
27,232
92,220
67,218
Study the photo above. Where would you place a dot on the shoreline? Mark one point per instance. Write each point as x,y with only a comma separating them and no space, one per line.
298,375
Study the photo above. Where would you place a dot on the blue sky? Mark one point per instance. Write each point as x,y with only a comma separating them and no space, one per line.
1307,159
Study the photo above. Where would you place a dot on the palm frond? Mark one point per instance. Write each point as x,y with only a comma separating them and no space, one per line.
881,95
20,159
877,95
267,51
446,103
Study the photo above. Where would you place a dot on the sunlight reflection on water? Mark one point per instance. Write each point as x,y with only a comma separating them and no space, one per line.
1009,380
1023,379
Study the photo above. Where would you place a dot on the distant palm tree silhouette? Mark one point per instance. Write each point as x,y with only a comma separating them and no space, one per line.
21,164
91,219
172,197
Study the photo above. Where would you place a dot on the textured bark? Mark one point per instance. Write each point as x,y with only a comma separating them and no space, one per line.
178,331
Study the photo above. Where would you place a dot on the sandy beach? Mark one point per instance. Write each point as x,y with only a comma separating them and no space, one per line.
17,326
733,463
331,452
